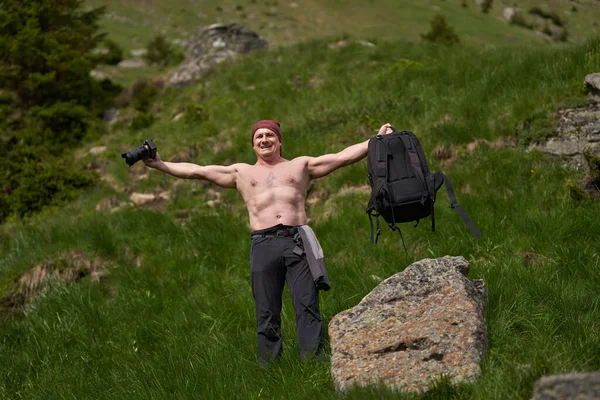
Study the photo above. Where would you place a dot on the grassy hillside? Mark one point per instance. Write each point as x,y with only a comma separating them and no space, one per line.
286,22
161,305
132,24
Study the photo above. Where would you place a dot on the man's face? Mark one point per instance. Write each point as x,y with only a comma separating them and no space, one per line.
266,143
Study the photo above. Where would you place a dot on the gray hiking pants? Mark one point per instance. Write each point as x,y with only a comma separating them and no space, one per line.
277,256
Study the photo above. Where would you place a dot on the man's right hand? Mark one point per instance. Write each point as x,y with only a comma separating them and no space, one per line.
153,162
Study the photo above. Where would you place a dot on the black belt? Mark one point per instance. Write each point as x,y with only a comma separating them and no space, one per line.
282,232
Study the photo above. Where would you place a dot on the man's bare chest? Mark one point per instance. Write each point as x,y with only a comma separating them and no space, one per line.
274,179
258,179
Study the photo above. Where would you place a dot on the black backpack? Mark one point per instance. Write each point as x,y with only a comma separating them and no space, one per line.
403,188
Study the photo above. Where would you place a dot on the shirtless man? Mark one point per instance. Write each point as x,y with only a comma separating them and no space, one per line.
274,190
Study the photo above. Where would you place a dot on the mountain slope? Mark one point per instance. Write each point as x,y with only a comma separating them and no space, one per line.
172,314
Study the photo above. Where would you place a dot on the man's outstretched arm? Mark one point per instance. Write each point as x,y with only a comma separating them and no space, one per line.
224,176
326,164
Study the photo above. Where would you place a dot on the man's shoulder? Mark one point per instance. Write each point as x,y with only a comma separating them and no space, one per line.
300,160
241,166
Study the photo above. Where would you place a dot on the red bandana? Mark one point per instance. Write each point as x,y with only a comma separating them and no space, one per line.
269,124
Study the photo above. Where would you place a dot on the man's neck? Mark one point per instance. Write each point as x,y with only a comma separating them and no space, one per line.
270,162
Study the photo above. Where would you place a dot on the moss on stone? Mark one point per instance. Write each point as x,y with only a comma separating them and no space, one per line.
593,162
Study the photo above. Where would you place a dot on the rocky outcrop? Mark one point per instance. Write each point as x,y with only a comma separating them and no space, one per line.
209,46
142,199
414,327
578,130
581,386
592,82
131,63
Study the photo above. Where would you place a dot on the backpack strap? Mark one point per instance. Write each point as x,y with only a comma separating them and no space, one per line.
381,155
395,227
378,191
415,161
401,238
454,203
379,166
381,160
371,222
432,216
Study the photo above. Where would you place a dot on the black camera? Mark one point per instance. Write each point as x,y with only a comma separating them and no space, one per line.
147,150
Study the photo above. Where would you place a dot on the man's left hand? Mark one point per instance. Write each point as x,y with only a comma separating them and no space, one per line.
385,129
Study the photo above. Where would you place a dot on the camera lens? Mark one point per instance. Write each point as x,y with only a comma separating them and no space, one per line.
135,155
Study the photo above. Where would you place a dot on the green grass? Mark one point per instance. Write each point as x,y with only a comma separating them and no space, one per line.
282,24
181,324
133,24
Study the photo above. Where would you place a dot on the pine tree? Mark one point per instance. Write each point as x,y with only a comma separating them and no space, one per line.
47,99
46,50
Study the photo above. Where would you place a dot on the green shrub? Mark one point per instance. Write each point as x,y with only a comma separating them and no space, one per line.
4,207
143,92
536,11
194,112
564,35
561,36
486,6
13,159
546,30
113,53
6,100
161,52
589,186
141,121
109,90
552,16
536,128
6,97
39,183
140,95
405,64
593,163
519,20
61,125
441,32
557,20
574,189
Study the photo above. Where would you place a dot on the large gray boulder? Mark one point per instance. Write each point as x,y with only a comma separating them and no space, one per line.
210,46
580,386
414,327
